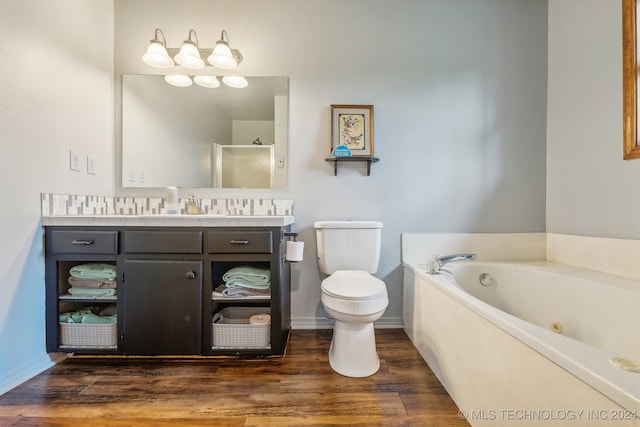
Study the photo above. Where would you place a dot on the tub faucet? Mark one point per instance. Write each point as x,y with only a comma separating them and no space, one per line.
436,262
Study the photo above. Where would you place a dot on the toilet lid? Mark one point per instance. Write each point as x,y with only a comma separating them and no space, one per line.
353,284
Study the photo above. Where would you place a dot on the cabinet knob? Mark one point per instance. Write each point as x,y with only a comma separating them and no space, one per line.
191,275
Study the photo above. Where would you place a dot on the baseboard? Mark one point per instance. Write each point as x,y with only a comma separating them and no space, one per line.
324,323
311,323
390,323
28,370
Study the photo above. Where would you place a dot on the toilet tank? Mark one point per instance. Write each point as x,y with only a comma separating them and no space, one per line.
348,245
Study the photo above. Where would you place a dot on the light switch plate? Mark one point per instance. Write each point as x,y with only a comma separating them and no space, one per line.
74,160
91,164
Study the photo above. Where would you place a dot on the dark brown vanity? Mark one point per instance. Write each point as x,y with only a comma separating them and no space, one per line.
166,277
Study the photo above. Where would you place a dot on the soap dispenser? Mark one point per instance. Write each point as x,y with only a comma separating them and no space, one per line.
173,205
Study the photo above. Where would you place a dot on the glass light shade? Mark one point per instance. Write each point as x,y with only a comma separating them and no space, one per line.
189,56
157,56
179,80
221,56
210,82
237,82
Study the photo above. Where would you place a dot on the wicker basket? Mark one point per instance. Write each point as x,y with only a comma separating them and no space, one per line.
231,328
88,334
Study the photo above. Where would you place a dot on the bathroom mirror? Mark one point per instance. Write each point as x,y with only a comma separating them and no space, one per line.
631,143
175,135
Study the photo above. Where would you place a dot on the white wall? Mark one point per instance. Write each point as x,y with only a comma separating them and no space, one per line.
459,91
56,94
591,191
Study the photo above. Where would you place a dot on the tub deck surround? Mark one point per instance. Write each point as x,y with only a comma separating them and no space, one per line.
419,247
491,360
613,256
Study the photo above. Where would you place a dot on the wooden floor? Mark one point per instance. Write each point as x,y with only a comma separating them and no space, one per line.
299,389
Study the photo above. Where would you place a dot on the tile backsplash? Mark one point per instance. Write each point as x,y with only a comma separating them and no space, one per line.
73,204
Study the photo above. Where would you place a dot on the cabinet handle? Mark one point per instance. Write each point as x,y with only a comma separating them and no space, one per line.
191,275
82,242
239,242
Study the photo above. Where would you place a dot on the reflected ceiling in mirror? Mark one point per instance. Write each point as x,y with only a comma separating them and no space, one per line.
172,135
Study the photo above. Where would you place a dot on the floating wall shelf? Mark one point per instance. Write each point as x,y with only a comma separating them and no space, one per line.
337,160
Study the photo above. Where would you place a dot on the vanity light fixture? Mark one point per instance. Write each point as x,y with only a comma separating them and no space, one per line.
189,55
156,55
210,82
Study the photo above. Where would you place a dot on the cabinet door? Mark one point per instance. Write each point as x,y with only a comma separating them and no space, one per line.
163,307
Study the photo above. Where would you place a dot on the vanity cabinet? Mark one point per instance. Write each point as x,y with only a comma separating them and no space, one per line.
65,249
263,250
166,297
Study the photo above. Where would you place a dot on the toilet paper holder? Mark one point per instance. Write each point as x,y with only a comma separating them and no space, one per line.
293,248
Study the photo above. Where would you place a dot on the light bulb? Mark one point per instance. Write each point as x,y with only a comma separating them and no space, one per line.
179,80
157,56
189,57
210,82
237,82
222,57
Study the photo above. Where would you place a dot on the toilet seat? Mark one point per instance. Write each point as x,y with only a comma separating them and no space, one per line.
355,293
354,285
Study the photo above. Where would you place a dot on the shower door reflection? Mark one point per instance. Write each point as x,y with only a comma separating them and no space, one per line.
243,166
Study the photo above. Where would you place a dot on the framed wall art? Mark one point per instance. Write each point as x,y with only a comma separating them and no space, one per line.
352,126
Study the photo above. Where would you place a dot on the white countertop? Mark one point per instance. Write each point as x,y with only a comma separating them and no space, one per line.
168,220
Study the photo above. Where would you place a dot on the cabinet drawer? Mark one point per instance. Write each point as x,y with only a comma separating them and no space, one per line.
240,242
163,242
85,242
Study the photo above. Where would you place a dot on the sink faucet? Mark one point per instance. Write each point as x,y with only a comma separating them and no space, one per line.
436,262
192,206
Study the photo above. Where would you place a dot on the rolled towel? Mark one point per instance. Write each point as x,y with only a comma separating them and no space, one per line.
74,316
260,319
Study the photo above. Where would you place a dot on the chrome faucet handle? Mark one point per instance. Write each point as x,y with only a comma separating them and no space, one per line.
436,262
433,265
192,206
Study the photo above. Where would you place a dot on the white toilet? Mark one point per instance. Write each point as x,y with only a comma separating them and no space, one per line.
349,251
